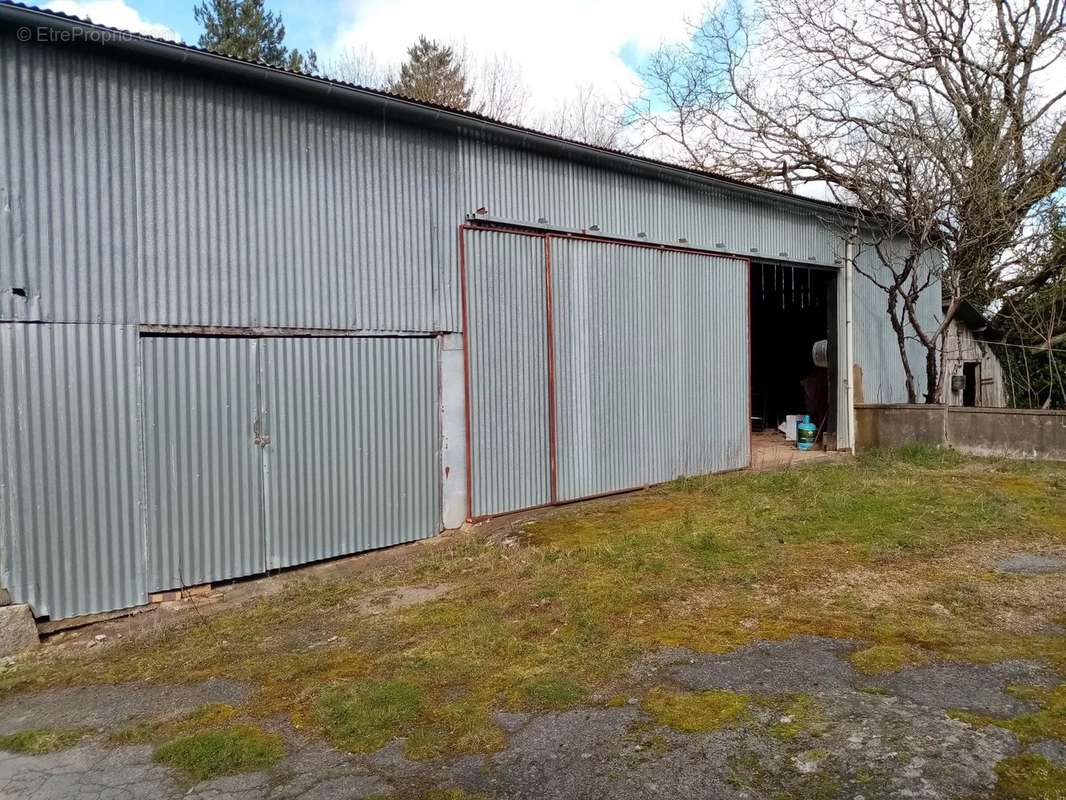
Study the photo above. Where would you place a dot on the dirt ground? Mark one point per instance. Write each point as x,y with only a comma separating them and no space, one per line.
719,640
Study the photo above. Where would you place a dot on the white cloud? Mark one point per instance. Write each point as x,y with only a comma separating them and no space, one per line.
114,14
560,46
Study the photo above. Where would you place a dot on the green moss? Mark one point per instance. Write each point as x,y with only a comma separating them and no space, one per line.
1048,722
228,751
693,712
550,692
888,658
40,741
366,716
795,714
146,731
1030,777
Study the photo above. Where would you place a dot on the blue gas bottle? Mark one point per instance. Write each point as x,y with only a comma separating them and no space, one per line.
805,432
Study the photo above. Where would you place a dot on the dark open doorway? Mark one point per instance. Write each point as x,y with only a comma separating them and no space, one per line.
792,308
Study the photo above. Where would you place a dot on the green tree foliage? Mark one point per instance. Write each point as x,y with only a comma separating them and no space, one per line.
245,29
433,73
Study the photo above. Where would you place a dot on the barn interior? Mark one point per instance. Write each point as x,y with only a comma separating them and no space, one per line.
792,308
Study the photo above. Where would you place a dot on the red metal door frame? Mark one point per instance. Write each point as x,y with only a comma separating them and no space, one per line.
548,236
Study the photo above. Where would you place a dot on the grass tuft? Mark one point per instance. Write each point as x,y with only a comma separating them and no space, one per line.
231,750
888,658
550,692
1030,777
694,712
367,716
38,742
1048,722
795,715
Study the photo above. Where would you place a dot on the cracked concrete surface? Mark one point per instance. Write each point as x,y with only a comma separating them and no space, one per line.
878,737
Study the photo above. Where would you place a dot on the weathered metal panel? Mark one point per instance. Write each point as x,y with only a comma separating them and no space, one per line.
204,472
508,372
651,375
71,525
354,445
519,185
876,344
152,196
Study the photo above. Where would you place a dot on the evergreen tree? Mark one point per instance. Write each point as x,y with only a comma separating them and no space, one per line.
433,73
245,29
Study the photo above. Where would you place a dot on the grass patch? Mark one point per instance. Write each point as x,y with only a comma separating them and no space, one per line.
148,731
885,550
796,714
694,712
550,692
38,742
1048,722
1030,777
888,658
366,716
231,750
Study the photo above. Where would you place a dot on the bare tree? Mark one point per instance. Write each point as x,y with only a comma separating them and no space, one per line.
499,90
587,116
359,66
940,119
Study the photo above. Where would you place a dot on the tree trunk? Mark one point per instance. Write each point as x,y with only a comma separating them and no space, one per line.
901,341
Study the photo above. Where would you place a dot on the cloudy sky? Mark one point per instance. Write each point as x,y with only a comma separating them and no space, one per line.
558,45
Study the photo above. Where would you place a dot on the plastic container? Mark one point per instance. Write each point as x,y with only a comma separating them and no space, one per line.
805,432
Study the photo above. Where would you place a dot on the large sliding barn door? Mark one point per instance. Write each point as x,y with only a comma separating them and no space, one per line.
598,366
507,360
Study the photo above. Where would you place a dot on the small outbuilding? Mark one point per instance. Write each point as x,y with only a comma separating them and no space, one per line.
973,374
251,318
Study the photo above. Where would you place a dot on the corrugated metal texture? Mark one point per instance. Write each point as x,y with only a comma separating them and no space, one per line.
156,197
651,365
518,185
508,371
352,462
71,525
204,474
710,310
876,346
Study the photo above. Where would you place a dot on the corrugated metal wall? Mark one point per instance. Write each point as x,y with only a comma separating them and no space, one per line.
133,194
354,445
651,365
71,524
153,197
190,201
507,356
876,347
520,185
351,462
204,475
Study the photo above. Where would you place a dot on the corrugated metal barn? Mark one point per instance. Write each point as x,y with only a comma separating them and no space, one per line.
251,319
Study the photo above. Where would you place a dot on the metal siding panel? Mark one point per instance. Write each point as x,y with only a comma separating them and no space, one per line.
352,463
507,360
876,348
520,185
203,471
70,482
154,197
651,365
